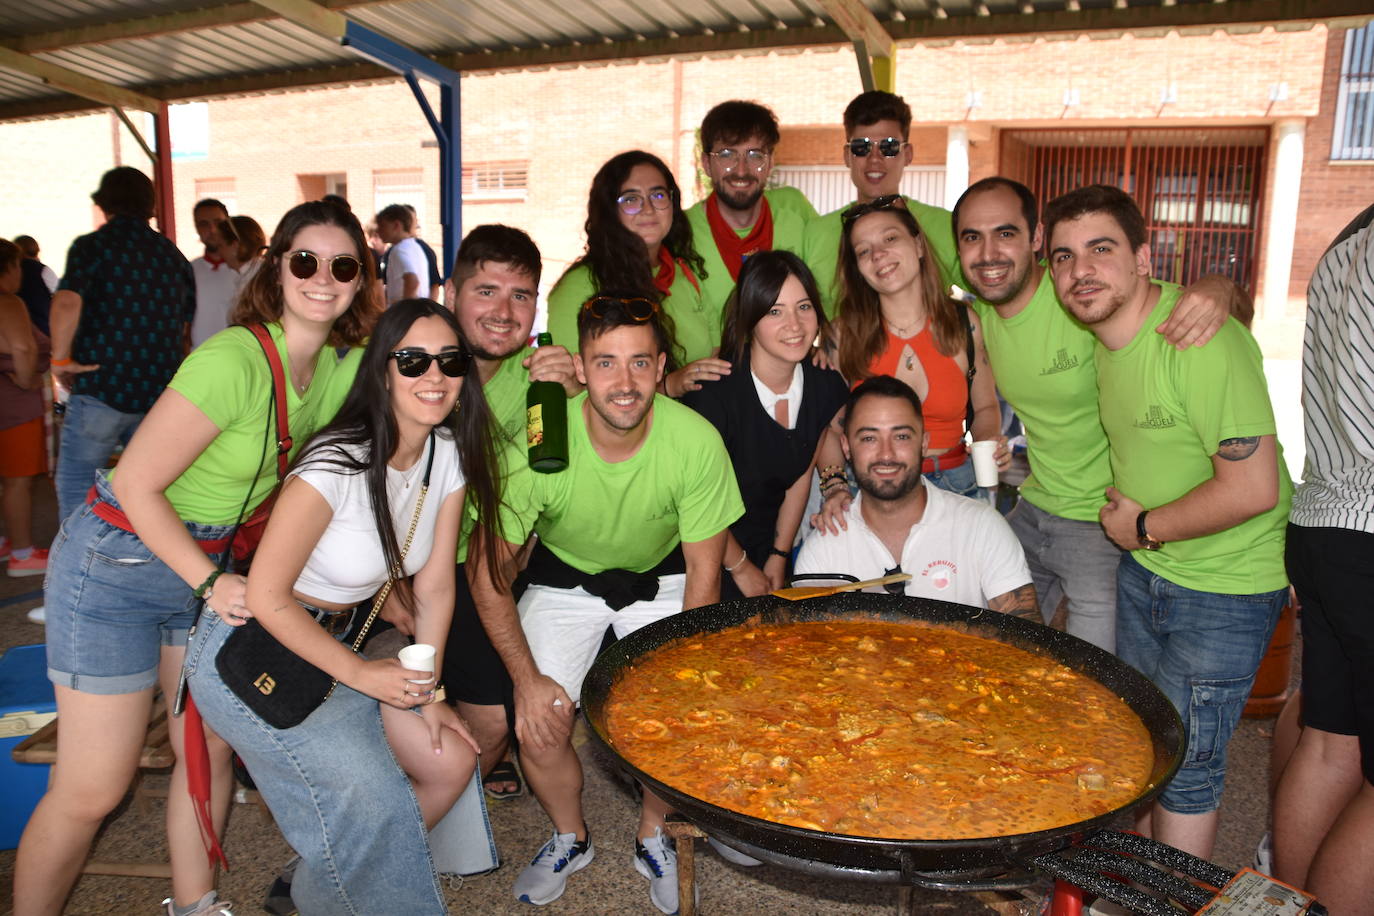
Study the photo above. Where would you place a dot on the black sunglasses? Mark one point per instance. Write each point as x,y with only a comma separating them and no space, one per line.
637,308
888,146
305,264
412,362
886,202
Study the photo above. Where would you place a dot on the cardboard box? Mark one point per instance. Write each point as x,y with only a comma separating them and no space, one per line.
26,705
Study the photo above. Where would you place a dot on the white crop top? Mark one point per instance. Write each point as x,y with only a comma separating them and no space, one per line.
347,565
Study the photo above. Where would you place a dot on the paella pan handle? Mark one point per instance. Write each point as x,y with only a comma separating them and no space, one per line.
1013,879
1106,862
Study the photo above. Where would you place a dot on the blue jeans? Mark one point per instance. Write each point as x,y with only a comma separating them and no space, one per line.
1071,559
91,431
335,790
1202,650
958,479
112,605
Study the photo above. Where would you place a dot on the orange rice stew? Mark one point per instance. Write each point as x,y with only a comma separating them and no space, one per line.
879,729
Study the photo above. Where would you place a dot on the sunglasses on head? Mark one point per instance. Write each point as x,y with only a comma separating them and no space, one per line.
886,202
888,146
305,264
413,362
638,308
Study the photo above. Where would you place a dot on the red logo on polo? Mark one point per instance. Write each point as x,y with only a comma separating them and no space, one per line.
941,573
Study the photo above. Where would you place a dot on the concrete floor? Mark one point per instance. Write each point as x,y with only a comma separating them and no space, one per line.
608,885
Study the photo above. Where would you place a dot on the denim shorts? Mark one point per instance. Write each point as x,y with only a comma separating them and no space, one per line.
958,479
112,605
1202,650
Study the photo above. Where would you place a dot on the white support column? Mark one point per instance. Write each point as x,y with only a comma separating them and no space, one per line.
1282,212
956,165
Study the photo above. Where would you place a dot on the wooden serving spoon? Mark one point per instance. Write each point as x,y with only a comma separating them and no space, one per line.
800,592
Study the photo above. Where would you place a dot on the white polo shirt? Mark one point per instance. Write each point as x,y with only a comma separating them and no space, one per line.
961,550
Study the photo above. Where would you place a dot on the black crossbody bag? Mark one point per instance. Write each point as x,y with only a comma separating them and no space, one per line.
282,688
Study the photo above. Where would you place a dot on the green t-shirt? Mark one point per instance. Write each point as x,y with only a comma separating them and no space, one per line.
1043,362
1165,412
697,331
597,515
791,212
228,379
822,248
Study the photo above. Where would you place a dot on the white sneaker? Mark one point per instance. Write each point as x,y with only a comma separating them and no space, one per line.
656,859
209,905
38,615
731,854
1264,854
546,877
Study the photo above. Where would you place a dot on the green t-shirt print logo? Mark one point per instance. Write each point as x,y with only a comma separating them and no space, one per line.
1063,362
1155,418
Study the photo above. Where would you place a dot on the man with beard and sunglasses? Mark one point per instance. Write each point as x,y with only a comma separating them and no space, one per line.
1199,501
1042,360
877,129
955,548
742,215
631,532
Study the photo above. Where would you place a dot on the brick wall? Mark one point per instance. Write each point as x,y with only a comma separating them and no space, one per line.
567,121
1333,192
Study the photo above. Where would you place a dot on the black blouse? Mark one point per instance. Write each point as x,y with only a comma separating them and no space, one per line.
767,458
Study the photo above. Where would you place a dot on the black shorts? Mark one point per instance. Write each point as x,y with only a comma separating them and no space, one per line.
1333,572
473,670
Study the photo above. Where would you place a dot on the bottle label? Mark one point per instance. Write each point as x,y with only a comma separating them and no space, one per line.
534,425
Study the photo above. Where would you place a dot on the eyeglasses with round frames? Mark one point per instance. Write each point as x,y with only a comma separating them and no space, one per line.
888,146
305,264
731,159
630,204
637,308
412,362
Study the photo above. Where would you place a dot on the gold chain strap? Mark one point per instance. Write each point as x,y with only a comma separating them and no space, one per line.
395,572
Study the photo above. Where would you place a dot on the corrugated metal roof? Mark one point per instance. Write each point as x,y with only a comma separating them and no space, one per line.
182,49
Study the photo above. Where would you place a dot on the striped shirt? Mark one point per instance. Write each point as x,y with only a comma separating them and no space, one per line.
1338,386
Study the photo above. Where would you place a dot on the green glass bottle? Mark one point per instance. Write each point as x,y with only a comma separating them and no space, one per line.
546,422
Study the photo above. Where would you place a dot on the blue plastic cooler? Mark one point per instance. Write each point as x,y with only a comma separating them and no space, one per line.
26,705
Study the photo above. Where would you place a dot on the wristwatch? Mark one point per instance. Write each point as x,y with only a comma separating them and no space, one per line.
1146,542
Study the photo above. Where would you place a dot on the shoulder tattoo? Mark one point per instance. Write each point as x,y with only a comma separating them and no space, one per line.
1238,449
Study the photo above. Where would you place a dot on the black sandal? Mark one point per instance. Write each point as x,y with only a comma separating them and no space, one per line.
503,772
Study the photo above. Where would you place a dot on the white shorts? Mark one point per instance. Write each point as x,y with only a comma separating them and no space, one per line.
565,626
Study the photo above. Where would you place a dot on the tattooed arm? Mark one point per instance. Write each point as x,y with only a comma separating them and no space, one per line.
1245,483
1019,602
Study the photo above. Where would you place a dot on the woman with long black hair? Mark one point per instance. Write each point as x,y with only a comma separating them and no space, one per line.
376,497
639,240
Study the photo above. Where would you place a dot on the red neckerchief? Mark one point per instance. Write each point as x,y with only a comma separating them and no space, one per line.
667,271
213,260
733,249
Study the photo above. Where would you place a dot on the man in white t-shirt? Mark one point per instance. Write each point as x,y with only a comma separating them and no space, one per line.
217,282
955,548
407,271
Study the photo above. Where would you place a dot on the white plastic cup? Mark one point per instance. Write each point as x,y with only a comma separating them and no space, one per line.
985,472
419,657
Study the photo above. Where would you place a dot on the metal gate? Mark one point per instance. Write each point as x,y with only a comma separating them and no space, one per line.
1200,189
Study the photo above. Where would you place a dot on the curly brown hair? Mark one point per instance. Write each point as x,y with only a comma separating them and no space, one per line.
262,300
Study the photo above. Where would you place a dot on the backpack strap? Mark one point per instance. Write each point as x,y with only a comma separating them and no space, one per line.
972,369
284,442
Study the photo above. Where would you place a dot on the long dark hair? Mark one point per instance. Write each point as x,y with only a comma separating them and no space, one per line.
616,257
859,320
366,422
760,282
262,299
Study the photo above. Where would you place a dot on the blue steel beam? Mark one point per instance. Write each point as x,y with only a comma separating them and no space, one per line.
447,127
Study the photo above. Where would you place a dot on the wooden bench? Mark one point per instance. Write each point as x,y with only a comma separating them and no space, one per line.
157,754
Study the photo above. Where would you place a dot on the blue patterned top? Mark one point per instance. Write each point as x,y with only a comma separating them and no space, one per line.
137,296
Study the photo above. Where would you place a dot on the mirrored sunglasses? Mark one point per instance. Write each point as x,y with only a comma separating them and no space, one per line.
888,146
637,308
305,264
413,362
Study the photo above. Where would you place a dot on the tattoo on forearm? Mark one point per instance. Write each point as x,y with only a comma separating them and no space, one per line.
1019,602
1238,449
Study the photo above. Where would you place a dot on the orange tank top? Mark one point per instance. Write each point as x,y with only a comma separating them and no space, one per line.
946,402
